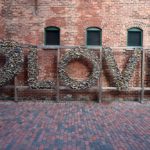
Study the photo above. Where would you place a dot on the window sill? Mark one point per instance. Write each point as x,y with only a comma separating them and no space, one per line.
93,47
53,47
49,47
133,47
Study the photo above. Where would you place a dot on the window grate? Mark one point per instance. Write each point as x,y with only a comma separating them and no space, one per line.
52,37
93,37
134,37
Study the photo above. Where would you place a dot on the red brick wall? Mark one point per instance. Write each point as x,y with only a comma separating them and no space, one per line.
73,17
24,21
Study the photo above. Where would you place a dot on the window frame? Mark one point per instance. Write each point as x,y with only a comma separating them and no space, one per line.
135,29
51,28
93,29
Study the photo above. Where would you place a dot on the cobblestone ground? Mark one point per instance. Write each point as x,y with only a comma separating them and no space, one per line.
74,126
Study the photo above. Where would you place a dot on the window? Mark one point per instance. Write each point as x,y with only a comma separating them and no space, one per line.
135,37
94,36
52,36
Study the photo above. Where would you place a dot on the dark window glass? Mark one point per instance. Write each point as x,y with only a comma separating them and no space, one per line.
52,36
134,37
93,36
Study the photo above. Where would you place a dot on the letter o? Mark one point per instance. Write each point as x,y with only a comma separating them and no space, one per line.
79,53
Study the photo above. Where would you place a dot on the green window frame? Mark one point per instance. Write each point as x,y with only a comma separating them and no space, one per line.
93,36
135,37
52,36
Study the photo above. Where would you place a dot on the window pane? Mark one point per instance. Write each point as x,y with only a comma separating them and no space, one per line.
134,38
52,37
93,38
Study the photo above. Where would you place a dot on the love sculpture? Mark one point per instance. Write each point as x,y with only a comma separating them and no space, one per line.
14,60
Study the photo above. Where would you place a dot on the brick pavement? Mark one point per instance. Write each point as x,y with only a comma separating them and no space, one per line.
74,126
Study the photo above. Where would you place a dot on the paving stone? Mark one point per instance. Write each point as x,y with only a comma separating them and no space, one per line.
74,126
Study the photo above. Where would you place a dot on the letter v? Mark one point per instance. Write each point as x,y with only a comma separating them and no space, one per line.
121,80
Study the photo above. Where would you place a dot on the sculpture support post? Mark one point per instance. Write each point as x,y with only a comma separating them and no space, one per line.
142,75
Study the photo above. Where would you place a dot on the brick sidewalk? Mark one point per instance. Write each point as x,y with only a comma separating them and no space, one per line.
74,126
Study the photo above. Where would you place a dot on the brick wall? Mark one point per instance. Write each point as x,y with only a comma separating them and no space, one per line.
24,21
